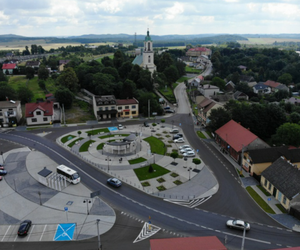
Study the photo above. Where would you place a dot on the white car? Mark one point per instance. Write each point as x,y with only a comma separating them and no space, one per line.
179,140
238,224
184,150
120,127
184,146
189,154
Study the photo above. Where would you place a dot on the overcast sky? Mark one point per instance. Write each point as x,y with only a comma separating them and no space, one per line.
162,17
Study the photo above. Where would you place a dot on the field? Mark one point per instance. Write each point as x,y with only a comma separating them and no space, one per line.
266,41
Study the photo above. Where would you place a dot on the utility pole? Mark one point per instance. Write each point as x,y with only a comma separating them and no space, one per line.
99,242
243,241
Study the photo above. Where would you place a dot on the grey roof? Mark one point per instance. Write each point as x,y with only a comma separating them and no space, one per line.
261,85
130,137
272,154
284,176
282,87
138,60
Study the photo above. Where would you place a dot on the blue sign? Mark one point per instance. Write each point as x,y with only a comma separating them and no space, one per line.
179,124
269,199
113,129
197,150
66,208
64,232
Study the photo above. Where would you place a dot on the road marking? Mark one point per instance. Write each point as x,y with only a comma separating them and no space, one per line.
28,237
43,232
6,232
147,231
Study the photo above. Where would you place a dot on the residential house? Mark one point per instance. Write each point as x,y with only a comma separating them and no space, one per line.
229,86
248,79
105,107
204,109
208,90
272,84
293,100
242,67
187,243
238,95
198,51
197,81
261,88
283,88
282,180
62,64
10,112
42,113
33,64
234,139
128,108
9,67
255,161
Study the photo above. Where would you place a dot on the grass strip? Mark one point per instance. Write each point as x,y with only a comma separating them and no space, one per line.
85,146
137,160
260,201
144,174
156,145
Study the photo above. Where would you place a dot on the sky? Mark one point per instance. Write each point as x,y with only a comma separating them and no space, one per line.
162,17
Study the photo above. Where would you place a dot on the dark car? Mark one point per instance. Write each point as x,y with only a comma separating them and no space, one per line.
3,172
114,182
24,227
146,124
177,136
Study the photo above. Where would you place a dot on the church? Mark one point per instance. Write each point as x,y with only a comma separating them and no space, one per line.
146,58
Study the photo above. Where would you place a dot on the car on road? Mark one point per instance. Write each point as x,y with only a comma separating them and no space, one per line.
184,150
189,154
179,140
120,127
169,111
114,182
146,124
238,224
24,227
3,172
166,108
184,146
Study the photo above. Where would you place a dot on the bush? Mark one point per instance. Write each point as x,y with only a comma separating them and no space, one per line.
150,170
162,120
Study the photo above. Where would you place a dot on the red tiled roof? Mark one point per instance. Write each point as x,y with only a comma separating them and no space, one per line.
126,101
9,66
201,77
188,243
47,107
236,135
272,84
199,49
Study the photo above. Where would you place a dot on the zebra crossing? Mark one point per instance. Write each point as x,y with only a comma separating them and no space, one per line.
147,231
190,203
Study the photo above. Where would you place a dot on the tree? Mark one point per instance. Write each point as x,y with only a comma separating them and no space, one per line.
24,94
118,59
174,155
3,78
217,81
218,117
42,84
103,84
129,89
68,79
111,71
164,62
285,78
29,72
294,117
171,74
196,161
43,73
7,92
288,134
64,96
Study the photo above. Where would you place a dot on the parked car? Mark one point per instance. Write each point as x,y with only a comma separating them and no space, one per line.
184,146
3,172
179,140
177,136
189,154
238,224
114,182
174,130
169,111
24,227
184,150
146,124
1,167
120,127
167,107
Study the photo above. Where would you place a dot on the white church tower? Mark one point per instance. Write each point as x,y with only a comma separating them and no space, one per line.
148,54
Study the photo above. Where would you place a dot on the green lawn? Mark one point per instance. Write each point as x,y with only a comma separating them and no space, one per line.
137,160
67,138
85,146
156,145
182,79
281,208
201,135
263,190
100,146
108,136
264,205
168,93
144,174
74,142
189,69
98,131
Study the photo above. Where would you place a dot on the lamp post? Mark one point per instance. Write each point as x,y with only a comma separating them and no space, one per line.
2,158
190,173
99,242
108,160
87,201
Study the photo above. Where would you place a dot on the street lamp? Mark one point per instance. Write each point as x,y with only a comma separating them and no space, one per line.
87,201
2,158
108,160
190,173
99,242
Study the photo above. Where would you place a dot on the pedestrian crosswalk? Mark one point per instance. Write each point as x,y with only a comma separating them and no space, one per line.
190,203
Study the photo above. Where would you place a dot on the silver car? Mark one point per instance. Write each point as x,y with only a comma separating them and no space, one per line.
238,224
184,150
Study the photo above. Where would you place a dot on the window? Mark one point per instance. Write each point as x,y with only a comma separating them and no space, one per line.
1,114
133,106
100,109
266,183
113,107
33,120
119,108
45,119
148,46
133,112
126,107
149,59
269,186
1,120
106,108
126,113
284,200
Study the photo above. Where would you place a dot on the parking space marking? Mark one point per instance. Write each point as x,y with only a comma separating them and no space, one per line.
6,232
43,232
28,237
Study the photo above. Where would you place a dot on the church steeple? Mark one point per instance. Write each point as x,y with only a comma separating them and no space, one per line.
148,54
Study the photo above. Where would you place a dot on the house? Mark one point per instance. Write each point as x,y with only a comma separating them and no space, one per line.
238,95
272,84
197,80
242,67
62,64
9,67
187,243
293,100
198,51
229,86
208,90
248,79
42,113
10,113
234,139
33,64
128,108
261,88
204,109
282,87
105,107
282,180
255,161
